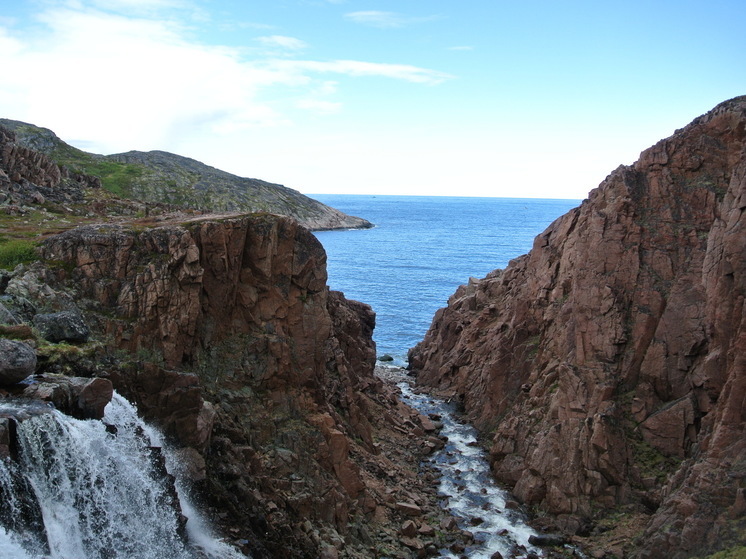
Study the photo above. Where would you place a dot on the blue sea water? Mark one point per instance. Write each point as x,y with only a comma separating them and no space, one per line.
422,249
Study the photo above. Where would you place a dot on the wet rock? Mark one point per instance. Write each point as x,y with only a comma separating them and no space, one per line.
17,361
547,540
83,398
64,326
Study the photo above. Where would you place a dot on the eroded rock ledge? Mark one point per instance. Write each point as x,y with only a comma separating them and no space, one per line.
606,366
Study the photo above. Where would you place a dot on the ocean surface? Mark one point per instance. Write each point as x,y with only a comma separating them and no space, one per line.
421,250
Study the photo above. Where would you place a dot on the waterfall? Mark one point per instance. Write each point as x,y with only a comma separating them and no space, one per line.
95,490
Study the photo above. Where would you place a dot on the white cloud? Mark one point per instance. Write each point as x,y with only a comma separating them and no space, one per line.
281,41
125,83
319,106
358,68
385,20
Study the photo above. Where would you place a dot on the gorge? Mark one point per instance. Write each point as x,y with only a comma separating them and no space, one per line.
603,369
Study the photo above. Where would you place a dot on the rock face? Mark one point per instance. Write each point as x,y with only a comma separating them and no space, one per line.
607,365
224,333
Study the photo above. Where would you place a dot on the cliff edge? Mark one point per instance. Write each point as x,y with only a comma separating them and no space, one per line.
606,367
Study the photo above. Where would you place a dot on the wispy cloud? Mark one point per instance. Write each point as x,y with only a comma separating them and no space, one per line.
357,68
148,79
281,41
385,20
463,47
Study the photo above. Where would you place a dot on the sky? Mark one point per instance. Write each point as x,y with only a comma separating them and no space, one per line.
527,98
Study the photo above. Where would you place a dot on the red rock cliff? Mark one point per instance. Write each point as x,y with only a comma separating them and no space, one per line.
228,337
607,365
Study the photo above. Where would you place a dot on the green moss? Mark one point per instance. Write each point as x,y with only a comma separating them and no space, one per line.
17,251
116,177
732,553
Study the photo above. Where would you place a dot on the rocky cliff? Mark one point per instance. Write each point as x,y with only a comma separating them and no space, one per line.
159,177
606,367
222,330
225,335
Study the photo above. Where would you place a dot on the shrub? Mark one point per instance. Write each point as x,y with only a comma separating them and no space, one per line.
16,252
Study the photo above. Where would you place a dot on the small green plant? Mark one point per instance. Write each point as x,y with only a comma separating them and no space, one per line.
17,251
732,553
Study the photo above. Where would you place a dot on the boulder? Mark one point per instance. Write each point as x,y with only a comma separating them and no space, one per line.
7,317
17,361
64,326
83,398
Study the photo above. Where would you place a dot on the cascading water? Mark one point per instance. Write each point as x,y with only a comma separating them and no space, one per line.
94,490
467,487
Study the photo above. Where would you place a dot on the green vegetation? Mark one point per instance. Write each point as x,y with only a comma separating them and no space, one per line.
117,178
733,553
15,252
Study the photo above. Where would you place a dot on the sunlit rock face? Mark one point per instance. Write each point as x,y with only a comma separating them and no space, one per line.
607,363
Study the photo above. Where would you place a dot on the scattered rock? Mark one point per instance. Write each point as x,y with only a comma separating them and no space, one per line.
409,508
7,317
547,540
83,398
408,528
17,361
64,326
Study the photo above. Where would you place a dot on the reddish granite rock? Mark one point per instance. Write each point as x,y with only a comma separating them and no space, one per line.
614,350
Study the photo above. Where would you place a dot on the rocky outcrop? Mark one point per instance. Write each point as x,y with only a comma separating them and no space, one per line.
606,365
224,333
156,178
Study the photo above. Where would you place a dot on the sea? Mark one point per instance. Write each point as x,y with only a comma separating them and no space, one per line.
421,249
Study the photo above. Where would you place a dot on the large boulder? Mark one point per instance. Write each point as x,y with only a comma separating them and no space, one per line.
83,398
65,326
17,361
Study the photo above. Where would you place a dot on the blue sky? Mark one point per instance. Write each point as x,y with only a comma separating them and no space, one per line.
475,97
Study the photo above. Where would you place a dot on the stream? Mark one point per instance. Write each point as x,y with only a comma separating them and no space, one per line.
467,489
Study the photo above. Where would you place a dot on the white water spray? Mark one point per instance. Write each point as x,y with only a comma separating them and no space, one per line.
99,488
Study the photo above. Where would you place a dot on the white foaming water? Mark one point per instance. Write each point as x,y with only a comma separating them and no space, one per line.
469,492
10,546
100,491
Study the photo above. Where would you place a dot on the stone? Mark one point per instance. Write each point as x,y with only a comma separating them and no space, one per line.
547,540
408,528
409,509
64,326
79,397
7,317
17,361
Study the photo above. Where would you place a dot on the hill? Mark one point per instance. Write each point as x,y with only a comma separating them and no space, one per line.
159,177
